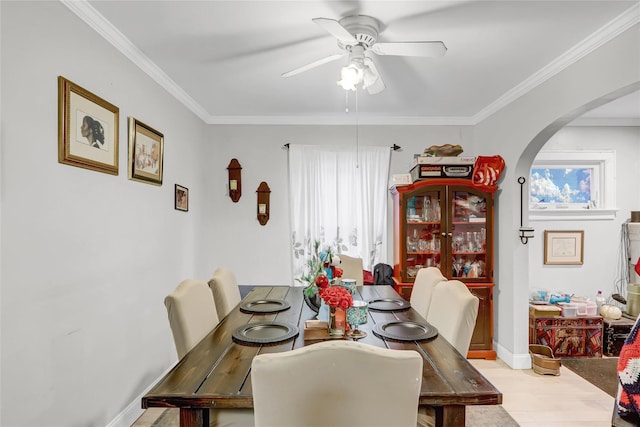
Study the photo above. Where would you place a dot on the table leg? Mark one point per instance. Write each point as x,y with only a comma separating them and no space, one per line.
194,417
450,416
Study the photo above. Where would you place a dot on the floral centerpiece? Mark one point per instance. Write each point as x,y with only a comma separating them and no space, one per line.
322,268
338,299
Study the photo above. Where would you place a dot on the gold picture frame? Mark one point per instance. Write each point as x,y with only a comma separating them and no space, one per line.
563,247
146,152
181,198
87,129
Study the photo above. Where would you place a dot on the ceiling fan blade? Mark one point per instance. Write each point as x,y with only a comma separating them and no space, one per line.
313,64
334,28
410,48
372,80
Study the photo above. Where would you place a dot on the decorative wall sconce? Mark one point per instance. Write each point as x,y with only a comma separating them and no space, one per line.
235,182
263,192
525,233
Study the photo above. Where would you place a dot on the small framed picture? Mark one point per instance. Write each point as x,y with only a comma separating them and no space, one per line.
87,129
563,247
182,198
146,151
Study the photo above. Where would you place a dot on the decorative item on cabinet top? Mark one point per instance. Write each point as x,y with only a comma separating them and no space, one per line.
425,167
235,180
263,192
487,170
483,171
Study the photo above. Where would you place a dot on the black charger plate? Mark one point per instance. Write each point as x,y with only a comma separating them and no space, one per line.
265,333
405,330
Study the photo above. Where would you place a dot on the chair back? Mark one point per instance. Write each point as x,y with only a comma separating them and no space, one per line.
192,314
383,274
426,280
225,290
352,268
337,383
453,311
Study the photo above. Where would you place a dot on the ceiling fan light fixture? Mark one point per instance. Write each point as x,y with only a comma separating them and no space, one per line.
357,35
351,76
369,77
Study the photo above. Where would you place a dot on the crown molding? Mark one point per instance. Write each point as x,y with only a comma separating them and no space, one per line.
605,34
109,32
339,120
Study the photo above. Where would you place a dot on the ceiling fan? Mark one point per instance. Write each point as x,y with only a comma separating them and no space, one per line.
357,36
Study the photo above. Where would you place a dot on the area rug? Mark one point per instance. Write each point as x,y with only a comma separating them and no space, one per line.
599,371
488,416
477,416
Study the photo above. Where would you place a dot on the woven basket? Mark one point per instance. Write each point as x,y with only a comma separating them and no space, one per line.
542,360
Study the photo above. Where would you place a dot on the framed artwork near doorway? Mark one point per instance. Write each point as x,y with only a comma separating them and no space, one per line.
87,129
563,247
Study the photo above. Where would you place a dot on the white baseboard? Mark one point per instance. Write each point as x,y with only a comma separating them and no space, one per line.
132,412
515,361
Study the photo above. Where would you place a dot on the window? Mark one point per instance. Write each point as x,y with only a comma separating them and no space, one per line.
338,197
572,185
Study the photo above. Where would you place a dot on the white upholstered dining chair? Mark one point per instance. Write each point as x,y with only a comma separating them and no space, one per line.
352,268
337,383
192,315
226,292
453,311
426,279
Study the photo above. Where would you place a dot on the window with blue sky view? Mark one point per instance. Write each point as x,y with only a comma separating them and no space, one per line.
560,185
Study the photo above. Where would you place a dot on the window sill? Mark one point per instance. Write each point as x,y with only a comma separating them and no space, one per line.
572,214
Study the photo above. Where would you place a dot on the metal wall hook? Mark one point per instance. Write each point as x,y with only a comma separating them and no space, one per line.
525,233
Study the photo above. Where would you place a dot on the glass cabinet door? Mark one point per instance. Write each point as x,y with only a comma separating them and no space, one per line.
423,231
468,242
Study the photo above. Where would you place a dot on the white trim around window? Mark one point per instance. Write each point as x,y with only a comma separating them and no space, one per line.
603,184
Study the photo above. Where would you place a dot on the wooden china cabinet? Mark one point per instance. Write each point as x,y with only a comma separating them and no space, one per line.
448,223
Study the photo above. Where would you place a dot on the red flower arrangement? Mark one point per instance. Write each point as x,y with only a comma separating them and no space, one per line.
336,296
322,281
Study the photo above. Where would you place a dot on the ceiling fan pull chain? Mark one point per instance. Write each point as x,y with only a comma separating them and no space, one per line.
346,101
357,132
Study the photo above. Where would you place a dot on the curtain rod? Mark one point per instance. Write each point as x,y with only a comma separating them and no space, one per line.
394,147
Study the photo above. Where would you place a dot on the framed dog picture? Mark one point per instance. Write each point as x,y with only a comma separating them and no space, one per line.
87,129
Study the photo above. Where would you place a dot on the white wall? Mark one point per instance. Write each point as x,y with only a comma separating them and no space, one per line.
87,257
518,132
602,237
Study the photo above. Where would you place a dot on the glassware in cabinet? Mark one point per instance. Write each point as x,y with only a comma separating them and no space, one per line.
469,235
423,232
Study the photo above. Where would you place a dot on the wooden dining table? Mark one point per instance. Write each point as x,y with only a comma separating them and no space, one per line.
216,373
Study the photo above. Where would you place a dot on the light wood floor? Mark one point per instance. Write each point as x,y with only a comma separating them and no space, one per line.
532,400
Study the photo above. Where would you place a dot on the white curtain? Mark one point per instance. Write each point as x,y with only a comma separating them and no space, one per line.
338,196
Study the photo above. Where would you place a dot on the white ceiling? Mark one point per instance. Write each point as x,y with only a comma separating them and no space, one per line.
223,59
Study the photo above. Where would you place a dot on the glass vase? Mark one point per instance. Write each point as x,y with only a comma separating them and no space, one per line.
337,322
